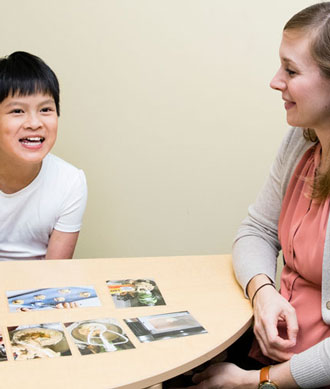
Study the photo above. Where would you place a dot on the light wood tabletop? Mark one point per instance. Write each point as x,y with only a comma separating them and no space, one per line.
204,286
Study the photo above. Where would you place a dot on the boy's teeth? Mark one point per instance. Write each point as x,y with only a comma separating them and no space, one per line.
32,139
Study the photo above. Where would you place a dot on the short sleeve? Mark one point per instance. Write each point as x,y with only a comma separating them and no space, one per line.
73,205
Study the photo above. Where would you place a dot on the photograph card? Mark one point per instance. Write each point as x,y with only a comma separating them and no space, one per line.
98,336
38,341
50,298
135,293
164,326
3,353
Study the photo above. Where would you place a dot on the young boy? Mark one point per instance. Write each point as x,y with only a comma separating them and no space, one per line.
42,198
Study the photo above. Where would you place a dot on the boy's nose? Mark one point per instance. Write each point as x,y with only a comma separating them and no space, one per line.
32,122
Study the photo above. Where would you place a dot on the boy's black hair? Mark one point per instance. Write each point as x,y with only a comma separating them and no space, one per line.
26,74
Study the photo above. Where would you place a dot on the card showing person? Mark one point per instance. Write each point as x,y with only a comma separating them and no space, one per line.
135,293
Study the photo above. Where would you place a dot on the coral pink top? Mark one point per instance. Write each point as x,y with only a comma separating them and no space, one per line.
302,230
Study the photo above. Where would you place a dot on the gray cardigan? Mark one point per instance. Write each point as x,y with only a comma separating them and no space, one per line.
256,249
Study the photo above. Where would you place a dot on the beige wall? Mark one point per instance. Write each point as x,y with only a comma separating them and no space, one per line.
166,106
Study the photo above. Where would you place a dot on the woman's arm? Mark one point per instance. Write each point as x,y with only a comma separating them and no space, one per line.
308,369
228,376
256,246
61,245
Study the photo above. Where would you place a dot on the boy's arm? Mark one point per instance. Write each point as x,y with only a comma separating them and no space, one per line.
61,245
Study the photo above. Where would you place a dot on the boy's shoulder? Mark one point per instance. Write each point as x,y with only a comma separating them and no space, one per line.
55,162
55,166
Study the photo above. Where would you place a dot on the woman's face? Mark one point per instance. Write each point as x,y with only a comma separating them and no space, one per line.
305,91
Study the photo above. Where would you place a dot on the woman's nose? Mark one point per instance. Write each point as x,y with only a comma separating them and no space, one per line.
277,82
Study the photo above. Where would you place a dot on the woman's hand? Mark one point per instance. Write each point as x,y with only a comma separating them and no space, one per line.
226,375
270,311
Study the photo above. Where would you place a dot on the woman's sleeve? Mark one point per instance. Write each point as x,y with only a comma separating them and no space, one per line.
311,368
73,205
256,246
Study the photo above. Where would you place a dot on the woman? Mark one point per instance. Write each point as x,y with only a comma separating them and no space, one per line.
291,214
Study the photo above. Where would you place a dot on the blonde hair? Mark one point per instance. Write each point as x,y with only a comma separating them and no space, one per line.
315,19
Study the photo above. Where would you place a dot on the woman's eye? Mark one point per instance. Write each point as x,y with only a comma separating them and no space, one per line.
290,72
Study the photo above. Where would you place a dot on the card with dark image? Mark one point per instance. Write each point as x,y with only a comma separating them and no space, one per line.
164,326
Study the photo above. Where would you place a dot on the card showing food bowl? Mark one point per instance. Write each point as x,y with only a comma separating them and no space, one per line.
38,341
49,298
164,326
98,336
135,293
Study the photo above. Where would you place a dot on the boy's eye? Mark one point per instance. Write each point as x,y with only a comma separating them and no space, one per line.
47,109
17,111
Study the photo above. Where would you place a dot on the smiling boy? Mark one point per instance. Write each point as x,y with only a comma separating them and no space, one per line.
42,197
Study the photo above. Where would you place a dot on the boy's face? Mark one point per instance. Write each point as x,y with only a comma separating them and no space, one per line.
28,128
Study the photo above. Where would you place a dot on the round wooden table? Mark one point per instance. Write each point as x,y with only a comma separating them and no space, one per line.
204,286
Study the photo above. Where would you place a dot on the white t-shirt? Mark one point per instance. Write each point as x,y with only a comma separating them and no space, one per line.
55,199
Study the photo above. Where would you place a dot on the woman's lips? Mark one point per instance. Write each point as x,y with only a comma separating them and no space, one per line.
289,104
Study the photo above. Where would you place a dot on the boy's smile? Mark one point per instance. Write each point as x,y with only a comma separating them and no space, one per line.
32,142
28,128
